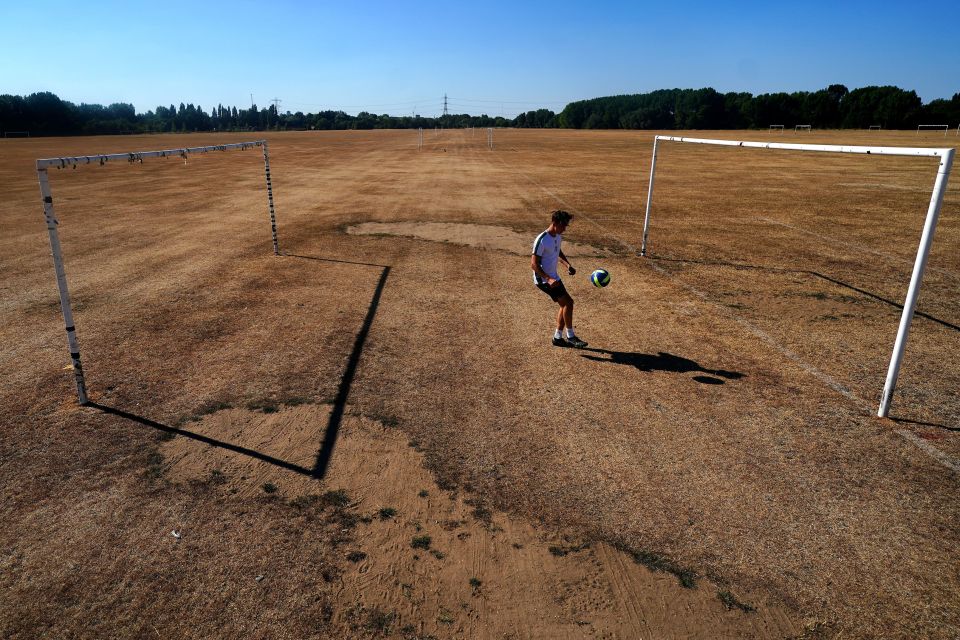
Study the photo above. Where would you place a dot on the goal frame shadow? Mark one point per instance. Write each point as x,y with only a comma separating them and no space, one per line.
325,451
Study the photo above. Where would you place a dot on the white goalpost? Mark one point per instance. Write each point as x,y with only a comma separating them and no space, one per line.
945,157
490,138
935,127
52,222
874,127
776,127
802,127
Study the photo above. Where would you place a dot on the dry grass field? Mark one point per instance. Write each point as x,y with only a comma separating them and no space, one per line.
372,436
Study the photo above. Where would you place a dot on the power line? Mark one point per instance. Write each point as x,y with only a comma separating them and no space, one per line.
564,102
407,103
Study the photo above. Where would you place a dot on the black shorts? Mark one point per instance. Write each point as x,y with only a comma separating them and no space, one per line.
555,292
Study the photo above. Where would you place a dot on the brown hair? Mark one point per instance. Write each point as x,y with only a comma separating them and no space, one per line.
561,217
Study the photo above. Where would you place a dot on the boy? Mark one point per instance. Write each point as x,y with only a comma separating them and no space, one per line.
546,253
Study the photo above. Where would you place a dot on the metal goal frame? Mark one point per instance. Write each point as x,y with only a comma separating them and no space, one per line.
137,156
945,157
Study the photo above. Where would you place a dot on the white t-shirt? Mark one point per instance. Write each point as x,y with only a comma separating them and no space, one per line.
547,248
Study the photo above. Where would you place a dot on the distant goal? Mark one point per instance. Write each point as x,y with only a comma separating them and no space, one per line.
945,157
776,127
803,127
933,127
139,156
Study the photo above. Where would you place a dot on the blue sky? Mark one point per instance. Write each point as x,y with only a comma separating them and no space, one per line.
495,58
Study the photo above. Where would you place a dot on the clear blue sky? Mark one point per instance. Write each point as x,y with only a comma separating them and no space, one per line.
495,57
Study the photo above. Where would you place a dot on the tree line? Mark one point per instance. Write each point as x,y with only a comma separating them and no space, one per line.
835,107
45,114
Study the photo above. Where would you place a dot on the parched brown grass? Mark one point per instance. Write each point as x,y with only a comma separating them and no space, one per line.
718,434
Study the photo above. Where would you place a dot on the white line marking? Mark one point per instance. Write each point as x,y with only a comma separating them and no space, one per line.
767,338
930,450
856,246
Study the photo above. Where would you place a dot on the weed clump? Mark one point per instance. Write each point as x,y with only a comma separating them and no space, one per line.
561,551
386,513
445,617
356,556
264,405
154,470
421,542
373,620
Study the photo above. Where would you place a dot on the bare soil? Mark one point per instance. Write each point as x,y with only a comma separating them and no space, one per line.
273,437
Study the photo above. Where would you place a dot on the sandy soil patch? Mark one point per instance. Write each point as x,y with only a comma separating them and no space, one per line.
430,562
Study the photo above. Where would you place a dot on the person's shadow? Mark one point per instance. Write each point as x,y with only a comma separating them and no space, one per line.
664,362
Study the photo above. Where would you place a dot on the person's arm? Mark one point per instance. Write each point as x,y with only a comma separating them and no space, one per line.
570,268
537,269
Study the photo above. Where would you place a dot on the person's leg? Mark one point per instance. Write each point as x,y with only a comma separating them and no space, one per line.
561,322
570,337
565,317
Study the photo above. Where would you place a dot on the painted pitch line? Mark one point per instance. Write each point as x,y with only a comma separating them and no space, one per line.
921,444
930,450
770,341
856,246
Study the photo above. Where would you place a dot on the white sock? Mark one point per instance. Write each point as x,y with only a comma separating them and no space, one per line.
557,335
570,333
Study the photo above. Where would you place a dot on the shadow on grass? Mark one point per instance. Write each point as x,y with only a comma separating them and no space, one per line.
200,438
346,381
336,414
663,362
920,423
815,274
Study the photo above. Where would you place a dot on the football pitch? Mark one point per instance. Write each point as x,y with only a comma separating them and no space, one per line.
711,465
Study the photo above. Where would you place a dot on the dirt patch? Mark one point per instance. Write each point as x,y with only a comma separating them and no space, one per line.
471,235
424,562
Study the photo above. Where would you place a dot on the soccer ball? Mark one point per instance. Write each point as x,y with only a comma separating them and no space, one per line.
600,278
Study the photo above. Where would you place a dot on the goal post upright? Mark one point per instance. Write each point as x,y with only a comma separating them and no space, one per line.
646,217
51,221
913,291
273,216
945,157
65,308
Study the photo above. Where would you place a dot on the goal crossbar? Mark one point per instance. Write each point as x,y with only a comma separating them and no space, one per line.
926,239
138,156
935,127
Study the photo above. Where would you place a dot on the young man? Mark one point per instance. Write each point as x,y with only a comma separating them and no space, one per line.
546,253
